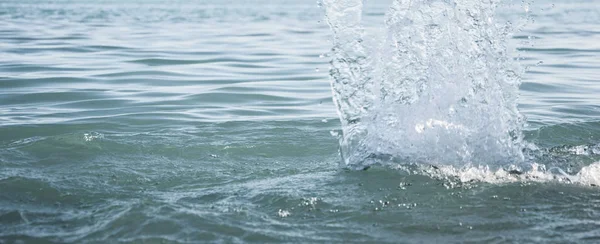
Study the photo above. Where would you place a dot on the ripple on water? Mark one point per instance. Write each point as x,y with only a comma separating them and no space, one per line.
212,121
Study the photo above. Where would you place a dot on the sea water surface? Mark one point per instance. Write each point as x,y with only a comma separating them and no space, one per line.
213,121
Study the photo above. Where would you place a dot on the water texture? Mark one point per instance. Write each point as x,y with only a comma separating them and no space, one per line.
215,121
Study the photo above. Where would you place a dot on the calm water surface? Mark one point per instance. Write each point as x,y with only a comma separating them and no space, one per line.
212,121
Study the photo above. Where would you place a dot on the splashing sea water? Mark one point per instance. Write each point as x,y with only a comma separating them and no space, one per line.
438,86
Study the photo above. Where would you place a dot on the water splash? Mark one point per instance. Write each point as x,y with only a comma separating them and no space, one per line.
437,87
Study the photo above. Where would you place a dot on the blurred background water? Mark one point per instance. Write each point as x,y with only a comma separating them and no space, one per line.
212,121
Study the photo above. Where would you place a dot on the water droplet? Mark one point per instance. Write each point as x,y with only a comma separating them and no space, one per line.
283,213
317,69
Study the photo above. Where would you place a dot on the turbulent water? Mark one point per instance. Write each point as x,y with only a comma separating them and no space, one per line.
439,89
215,121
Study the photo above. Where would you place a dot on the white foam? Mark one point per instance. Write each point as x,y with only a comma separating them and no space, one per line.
587,176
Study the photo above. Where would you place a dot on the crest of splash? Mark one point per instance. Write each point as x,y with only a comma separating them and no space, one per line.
437,87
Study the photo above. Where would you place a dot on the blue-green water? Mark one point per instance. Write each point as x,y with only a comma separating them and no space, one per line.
213,121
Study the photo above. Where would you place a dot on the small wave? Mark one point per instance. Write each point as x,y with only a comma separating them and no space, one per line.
587,176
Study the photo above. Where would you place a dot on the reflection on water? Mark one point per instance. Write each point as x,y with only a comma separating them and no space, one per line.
211,121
